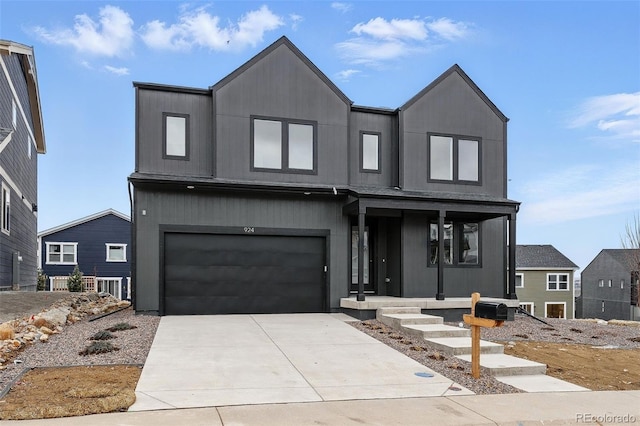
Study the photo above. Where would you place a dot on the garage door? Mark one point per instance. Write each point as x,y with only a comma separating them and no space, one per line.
233,274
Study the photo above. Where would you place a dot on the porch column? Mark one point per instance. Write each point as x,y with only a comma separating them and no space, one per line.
512,258
361,214
440,293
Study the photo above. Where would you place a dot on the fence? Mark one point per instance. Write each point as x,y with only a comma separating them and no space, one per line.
60,283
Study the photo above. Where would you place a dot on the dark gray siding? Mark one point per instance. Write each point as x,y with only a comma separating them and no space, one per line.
22,171
421,280
452,107
151,104
204,209
386,125
617,301
281,85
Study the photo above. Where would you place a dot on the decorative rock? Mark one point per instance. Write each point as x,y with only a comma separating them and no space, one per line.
57,316
7,331
41,322
46,330
123,303
44,338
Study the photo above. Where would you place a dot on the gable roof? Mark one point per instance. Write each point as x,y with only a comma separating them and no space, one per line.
621,256
456,69
282,41
28,62
83,220
541,256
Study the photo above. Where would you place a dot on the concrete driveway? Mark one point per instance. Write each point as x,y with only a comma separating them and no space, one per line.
210,361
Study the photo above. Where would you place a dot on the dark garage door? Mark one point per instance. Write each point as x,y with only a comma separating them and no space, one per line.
233,274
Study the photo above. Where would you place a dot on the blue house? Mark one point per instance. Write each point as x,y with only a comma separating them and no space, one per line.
99,244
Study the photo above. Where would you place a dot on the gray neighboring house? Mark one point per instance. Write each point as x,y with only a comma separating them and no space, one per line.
271,192
21,140
610,286
544,281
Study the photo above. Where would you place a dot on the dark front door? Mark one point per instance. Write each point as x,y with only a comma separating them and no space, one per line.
369,269
240,274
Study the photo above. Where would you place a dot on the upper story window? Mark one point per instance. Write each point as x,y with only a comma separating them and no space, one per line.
116,252
62,253
14,114
175,132
6,209
600,283
557,281
461,243
454,159
519,281
283,145
369,152
29,143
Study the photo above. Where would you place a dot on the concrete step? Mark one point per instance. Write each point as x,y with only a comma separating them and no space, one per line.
462,345
398,310
400,320
540,383
507,365
428,331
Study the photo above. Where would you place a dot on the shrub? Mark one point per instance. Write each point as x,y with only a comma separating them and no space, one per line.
102,335
121,326
74,283
42,280
99,347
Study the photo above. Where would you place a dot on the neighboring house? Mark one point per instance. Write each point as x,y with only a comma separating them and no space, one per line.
271,192
99,244
610,286
21,140
544,281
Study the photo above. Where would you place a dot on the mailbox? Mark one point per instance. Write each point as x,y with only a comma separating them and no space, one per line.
491,310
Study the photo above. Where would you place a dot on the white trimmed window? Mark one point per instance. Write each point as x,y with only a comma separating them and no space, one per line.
62,253
109,285
555,310
6,209
520,281
29,142
557,282
116,252
528,306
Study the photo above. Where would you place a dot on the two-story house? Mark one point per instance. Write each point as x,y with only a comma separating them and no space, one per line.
99,244
21,140
610,286
544,281
271,192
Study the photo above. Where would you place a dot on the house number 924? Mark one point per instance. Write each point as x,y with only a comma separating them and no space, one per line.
249,230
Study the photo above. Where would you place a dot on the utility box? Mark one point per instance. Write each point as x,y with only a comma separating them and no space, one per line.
491,310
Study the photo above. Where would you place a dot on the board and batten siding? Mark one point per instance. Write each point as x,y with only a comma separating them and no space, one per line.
617,301
226,210
386,125
282,86
452,107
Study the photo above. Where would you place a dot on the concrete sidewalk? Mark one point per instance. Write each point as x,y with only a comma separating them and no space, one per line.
222,360
511,409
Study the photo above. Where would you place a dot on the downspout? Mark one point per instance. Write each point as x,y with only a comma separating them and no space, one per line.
134,281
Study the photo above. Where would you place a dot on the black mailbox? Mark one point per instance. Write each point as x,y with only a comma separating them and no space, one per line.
491,310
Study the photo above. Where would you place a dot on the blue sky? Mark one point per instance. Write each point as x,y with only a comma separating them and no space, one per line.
567,74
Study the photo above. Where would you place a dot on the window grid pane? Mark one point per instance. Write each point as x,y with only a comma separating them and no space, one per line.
267,144
301,146
370,159
468,160
115,253
469,247
441,158
176,143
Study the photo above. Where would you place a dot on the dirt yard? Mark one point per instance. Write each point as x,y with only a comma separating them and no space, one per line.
591,367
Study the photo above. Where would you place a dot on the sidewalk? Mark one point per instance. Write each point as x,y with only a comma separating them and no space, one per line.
512,409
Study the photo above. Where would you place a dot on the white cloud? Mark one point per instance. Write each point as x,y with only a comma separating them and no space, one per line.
618,115
117,71
581,192
198,28
295,20
380,40
112,36
345,75
342,7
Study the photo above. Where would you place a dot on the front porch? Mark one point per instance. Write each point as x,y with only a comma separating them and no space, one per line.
451,309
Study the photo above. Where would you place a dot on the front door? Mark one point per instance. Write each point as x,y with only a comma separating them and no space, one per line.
369,281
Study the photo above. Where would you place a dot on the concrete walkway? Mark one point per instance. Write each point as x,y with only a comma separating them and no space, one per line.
207,361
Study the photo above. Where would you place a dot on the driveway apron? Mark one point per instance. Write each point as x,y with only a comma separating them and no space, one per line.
220,360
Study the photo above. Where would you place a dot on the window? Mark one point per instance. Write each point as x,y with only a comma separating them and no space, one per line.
610,283
622,283
62,253
109,285
176,136
116,252
528,306
454,159
555,309
520,281
6,209
29,143
461,243
600,283
369,152
14,114
283,145
558,282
